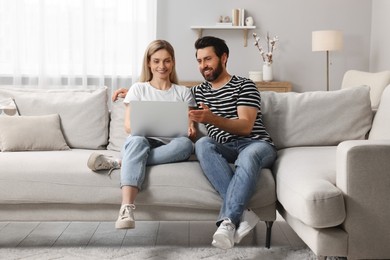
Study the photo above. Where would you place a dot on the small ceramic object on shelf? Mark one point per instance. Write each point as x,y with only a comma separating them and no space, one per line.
249,21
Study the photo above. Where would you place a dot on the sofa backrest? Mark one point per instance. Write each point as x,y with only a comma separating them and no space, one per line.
317,118
381,125
83,111
294,119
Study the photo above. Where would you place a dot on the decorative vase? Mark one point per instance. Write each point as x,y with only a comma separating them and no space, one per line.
267,71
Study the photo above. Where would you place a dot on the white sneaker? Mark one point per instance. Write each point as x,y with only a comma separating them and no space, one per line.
224,236
126,217
248,221
98,161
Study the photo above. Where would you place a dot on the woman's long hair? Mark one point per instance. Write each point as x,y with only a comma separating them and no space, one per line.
154,46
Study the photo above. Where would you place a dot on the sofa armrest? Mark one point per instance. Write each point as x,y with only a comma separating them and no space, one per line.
363,175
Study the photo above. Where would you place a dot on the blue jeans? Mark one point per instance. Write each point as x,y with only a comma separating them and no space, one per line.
139,152
235,186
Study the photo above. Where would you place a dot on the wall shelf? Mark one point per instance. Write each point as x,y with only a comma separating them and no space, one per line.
245,29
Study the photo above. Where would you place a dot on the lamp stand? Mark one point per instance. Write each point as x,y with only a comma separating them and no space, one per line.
327,70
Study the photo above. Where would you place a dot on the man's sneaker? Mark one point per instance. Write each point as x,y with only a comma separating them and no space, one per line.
98,161
224,236
248,221
126,217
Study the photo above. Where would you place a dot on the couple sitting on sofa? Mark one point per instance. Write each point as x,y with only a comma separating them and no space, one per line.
229,106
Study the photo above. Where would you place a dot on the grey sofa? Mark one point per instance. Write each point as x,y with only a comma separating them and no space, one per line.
332,173
332,176
57,185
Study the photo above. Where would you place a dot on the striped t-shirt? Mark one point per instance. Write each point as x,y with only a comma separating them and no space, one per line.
223,102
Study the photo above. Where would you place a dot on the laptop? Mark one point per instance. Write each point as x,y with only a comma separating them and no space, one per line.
159,118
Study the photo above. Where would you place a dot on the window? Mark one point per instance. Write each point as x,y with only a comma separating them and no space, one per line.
74,38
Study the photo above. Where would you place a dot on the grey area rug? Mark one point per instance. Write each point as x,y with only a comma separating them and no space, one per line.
154,253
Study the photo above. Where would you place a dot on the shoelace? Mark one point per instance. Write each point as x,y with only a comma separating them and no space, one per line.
228,225
114,167
126,209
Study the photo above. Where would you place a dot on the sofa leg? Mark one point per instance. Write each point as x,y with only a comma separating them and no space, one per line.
321,257
268,234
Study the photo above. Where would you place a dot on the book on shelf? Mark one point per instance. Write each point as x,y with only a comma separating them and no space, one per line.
238,17
235,17
242,17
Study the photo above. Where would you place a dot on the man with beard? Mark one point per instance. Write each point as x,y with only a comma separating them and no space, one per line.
229,107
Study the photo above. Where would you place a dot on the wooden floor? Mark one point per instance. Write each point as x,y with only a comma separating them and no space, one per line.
146,233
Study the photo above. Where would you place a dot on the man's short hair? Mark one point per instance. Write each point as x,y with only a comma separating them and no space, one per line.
218,44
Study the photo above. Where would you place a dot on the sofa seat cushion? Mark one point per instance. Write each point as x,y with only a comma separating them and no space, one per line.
63,177
305,185
54,177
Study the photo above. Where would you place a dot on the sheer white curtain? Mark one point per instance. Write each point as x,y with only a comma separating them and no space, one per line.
74,42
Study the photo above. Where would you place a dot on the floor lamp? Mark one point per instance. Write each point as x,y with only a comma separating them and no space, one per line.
327,41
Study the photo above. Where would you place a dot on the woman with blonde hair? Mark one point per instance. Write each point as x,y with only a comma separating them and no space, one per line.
158,82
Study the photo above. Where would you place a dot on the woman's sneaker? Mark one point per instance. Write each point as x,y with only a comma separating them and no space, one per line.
224,236
98,161
126,217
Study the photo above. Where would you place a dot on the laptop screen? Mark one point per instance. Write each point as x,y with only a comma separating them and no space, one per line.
159,118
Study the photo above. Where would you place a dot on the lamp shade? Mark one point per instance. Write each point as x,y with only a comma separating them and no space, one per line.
327,40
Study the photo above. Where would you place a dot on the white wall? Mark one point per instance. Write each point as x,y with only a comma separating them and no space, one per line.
292,20
380,36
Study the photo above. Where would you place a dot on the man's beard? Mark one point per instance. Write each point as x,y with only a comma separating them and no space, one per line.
215,73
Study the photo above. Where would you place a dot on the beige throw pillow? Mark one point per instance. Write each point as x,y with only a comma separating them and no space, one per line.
31,133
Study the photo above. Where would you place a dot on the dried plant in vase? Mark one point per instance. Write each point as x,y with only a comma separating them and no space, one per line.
271,42
267,55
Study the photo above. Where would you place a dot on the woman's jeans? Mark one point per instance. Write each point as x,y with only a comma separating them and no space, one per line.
139,152
235,186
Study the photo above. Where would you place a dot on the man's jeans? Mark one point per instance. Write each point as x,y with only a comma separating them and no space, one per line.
139,152
235,186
